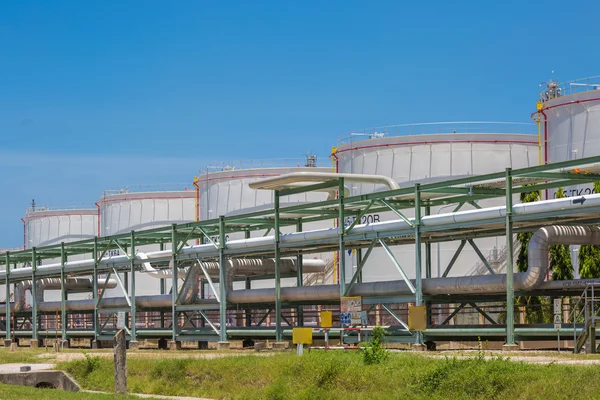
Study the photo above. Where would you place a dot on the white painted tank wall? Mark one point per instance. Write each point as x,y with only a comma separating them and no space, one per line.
47,227
228,192
424,159
573,131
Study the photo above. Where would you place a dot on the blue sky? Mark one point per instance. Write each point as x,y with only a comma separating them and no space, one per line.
102,94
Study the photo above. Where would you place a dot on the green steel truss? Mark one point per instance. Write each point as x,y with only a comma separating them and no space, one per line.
420,198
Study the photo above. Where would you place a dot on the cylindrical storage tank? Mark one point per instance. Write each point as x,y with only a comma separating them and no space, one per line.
225,191
570,116
140,208
424,153
44,226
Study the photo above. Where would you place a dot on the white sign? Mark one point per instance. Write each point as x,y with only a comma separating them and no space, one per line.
557,306
557,322
120,320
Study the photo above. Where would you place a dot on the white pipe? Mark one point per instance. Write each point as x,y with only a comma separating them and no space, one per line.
399,227
295,179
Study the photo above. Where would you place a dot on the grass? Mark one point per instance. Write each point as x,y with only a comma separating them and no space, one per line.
337,375
27,393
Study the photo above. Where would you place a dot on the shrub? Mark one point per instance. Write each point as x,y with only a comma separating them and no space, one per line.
373,351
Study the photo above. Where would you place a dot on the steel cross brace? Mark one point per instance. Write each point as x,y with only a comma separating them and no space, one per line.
360,267
359,217
397,265
398,213
209,279
396,317
209,322
485,315
184,241
460,307
123,289
485,262
264,317
454,258
202,231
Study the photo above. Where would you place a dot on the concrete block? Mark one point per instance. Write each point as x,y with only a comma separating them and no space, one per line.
96,344
419,347
134,345
174,345
7,343
34,344
13,347
223,346
259,346
280,345
511,347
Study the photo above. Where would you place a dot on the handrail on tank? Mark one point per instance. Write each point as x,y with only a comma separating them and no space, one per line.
435,128
310,160
152,187
553,89
71,206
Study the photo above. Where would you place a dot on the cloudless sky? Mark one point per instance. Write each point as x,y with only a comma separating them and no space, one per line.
109,93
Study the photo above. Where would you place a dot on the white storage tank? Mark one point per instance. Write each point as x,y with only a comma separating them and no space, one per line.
44,226
224,190
423,153
570,117
145,207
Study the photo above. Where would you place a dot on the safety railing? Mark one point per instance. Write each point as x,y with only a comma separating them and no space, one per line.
60,207
154,187
438,128
586,311
553,89
232,165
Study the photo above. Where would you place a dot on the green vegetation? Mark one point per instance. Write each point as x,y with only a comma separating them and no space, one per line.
28,393
373,351
340,375
589,256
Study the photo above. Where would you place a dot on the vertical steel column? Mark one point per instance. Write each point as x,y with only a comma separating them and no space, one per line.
63,292
132,289
428,265
418,272
341,231
299,277
222,282
248,312
174,283
278,333
8,316
95,288
34,316
510,293
359,258
162,290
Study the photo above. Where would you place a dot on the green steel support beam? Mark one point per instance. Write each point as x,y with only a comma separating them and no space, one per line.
475,205
418,277
7,282
222,282
481,257
208,278
427,250
278,330
398,213
299,277
485,315
458,207
95,288
207,236
34,315
63,293
454,258
361,264
392,257
174,283
209,322
264,317
359,217
132,288
163,290
103,289
359,261
342,246
565,175
510,295
183,243
460,307
396,317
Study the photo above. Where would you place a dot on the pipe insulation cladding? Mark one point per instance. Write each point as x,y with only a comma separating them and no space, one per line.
397,227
